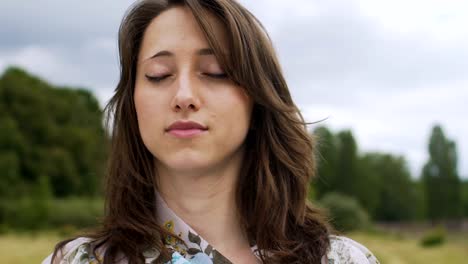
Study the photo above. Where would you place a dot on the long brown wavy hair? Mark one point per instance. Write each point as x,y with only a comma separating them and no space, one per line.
279,162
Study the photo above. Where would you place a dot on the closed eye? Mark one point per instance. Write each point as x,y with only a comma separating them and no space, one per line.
157,78
216,76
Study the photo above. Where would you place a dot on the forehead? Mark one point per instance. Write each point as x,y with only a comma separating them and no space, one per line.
177,30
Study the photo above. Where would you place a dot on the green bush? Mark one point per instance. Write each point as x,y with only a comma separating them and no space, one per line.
345,213
28,213
3,228
76,212
434,237
24,213
67,231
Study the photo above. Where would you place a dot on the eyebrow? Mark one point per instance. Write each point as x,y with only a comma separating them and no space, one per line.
201,52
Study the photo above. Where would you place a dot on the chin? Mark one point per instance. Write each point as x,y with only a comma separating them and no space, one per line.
186,162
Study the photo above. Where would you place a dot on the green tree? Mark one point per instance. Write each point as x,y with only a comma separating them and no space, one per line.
397,197
465,197
52,132
441,180
345,212
12,146
340,169
327,162
347,178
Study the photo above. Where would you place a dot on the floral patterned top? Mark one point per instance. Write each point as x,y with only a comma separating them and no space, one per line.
342,250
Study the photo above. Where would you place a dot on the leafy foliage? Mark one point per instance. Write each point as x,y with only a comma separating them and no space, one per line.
434,237
440,177
465,197
51,132
397,196
345,212
382,183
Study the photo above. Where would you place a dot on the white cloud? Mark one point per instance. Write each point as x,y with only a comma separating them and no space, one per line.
400,122
36,59
440,19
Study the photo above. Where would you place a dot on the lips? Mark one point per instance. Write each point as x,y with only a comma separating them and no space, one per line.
185,129
186,125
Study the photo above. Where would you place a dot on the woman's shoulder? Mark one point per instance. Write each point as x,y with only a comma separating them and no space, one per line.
75,251
79,251
344,250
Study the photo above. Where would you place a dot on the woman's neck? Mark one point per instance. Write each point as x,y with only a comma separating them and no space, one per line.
205,200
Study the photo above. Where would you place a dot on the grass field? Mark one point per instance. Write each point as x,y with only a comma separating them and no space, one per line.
389,249
26,248
398,249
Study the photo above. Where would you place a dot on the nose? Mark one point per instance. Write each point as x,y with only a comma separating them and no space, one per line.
186,97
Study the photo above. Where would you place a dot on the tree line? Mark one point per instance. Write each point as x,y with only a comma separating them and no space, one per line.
51,138
382,183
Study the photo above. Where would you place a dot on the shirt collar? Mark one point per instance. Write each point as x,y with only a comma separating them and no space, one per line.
196,245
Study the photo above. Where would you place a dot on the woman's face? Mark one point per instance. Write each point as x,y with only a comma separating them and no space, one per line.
179,80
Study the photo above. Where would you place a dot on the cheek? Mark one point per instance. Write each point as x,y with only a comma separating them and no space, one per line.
243,108
236,113
149,118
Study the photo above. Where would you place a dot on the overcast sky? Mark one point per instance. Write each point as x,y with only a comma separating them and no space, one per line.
387,70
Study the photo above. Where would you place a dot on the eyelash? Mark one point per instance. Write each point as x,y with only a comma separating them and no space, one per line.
157,79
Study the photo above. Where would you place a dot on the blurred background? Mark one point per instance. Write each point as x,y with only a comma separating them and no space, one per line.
390,78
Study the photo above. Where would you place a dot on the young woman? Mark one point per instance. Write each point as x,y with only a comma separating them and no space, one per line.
210,158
